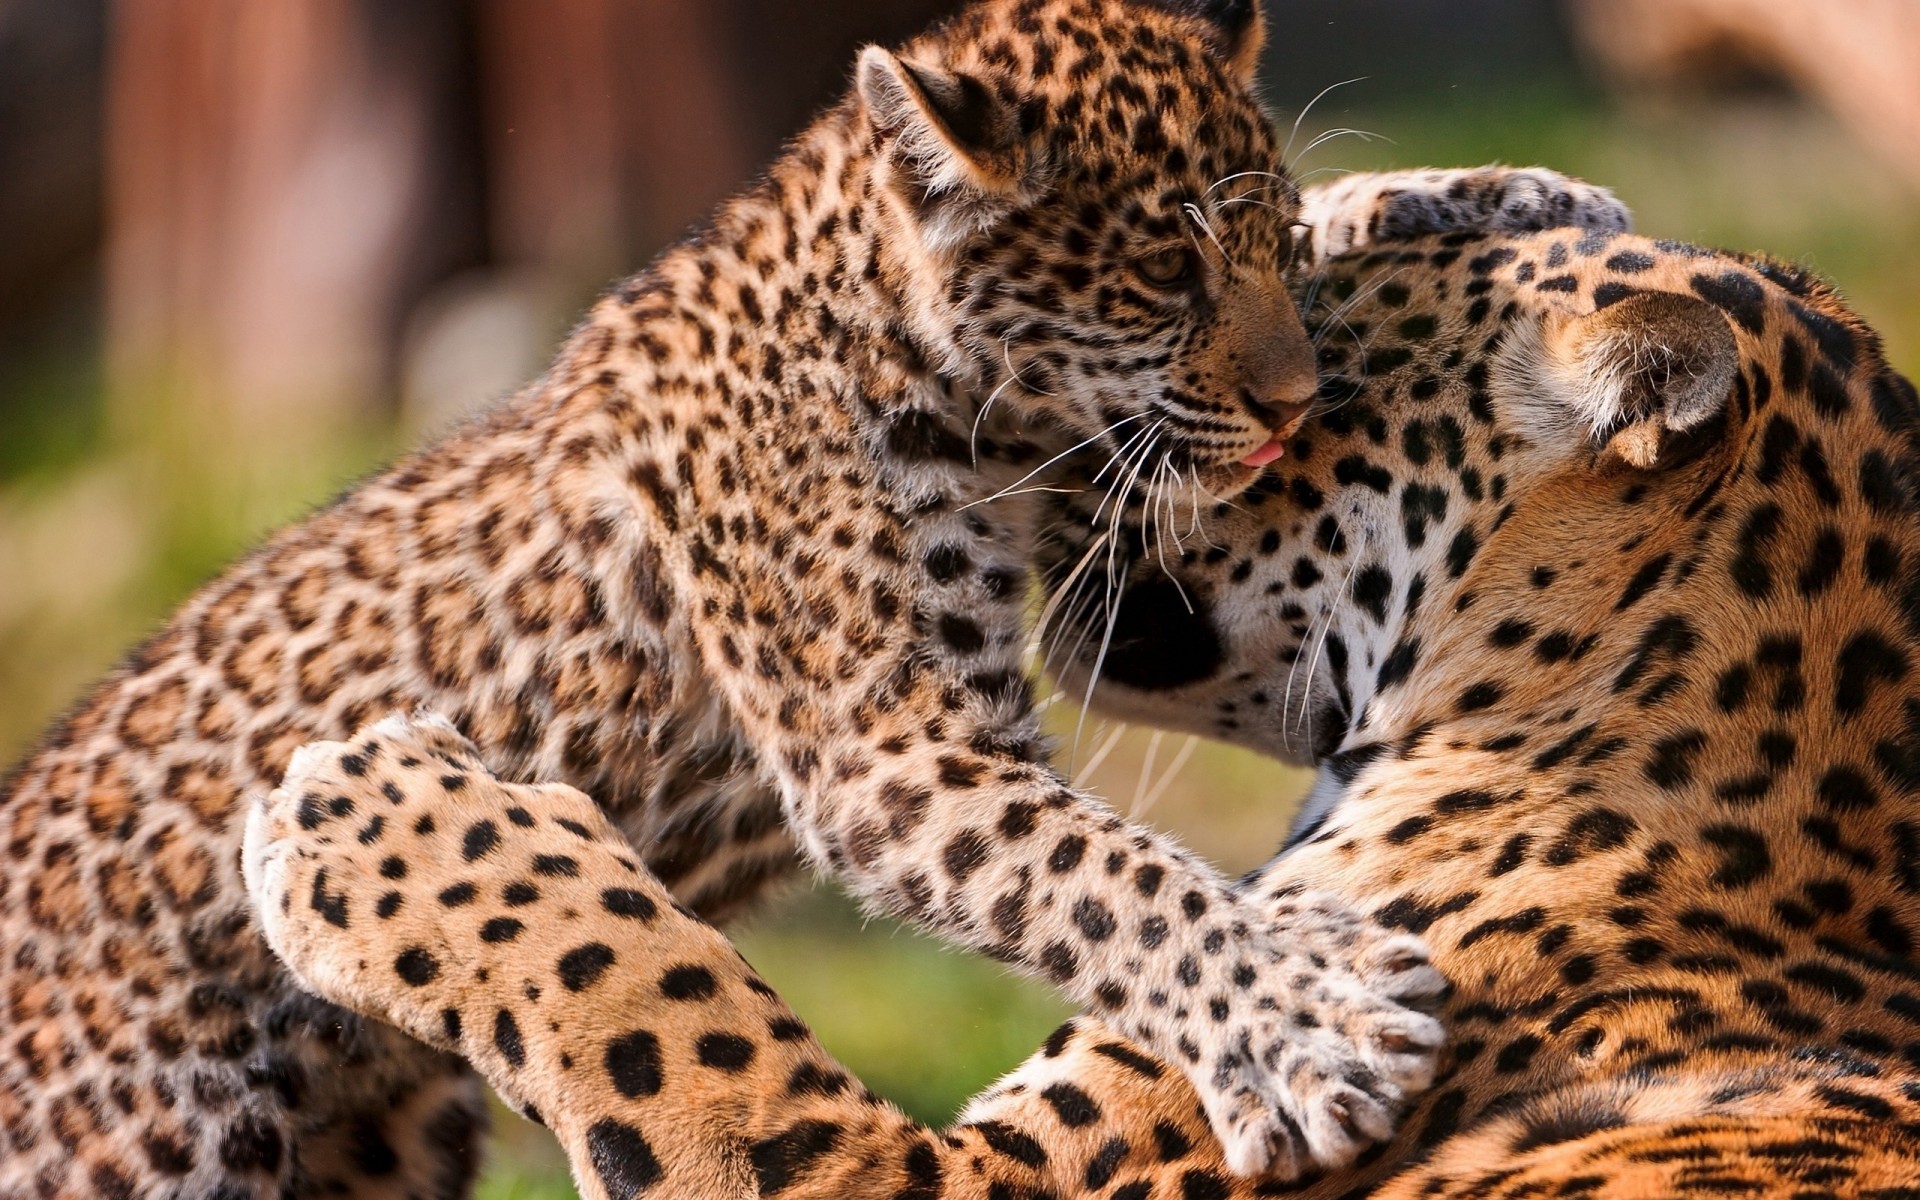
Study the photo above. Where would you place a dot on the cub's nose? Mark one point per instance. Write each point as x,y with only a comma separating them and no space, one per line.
1278,408
1279,413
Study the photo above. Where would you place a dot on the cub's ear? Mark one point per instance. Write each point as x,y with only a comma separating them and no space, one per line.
955,150
1238,30
1641,370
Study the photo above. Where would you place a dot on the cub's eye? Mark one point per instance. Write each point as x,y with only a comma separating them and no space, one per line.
1174,267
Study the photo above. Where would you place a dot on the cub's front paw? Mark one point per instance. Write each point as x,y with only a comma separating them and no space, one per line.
1318,1042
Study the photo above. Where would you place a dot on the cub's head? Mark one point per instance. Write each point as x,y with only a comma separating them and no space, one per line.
1551,477
1096,224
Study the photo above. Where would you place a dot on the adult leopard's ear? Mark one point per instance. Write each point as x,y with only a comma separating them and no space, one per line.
956,153
1645,378
1237,30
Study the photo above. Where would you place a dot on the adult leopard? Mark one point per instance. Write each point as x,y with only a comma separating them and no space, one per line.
1594,589
738,566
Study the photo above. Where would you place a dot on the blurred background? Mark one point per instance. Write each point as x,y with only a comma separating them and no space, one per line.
249,249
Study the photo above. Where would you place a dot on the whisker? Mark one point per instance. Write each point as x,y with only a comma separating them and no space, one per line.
1333,134
1187,749
1081,774
1200,219
1286,153
1217,184
1329,608
1146,769
1056,458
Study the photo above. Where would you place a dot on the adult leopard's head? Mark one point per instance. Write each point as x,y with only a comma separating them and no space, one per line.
1095,214
1571,496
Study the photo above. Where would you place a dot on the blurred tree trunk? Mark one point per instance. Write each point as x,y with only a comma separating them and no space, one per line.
268,175
610,124
688,129
551,120
1861,58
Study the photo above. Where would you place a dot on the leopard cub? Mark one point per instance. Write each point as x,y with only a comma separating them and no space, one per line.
787,466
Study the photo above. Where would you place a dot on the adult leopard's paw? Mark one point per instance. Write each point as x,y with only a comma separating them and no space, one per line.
1322,1042
1363,209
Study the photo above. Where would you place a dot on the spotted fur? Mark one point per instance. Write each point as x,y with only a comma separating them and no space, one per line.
739,567
1593,589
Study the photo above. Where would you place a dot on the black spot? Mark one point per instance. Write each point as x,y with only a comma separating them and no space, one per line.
1644,580
1095,919
725,1051
625,902
1203,1185
1670,766
1074,1107
622,1159
1580,1119
633,1062
1372,589
1356,469
506,1037
962,634
416,967
332,906
780,1159
481,837
1882,486
1416,917
1517,1055
1749,567
965,854
249,1145
373,1156
1828,392
1131,1059
1012,1143
688,982
1867,659
1460,553
581,966
1593,831
1482,695
1738,294
1823,563
1744,858
555,866
1101,1168
501,929
1843,789
1067,854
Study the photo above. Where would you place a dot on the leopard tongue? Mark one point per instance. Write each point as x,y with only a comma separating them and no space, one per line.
1273,451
